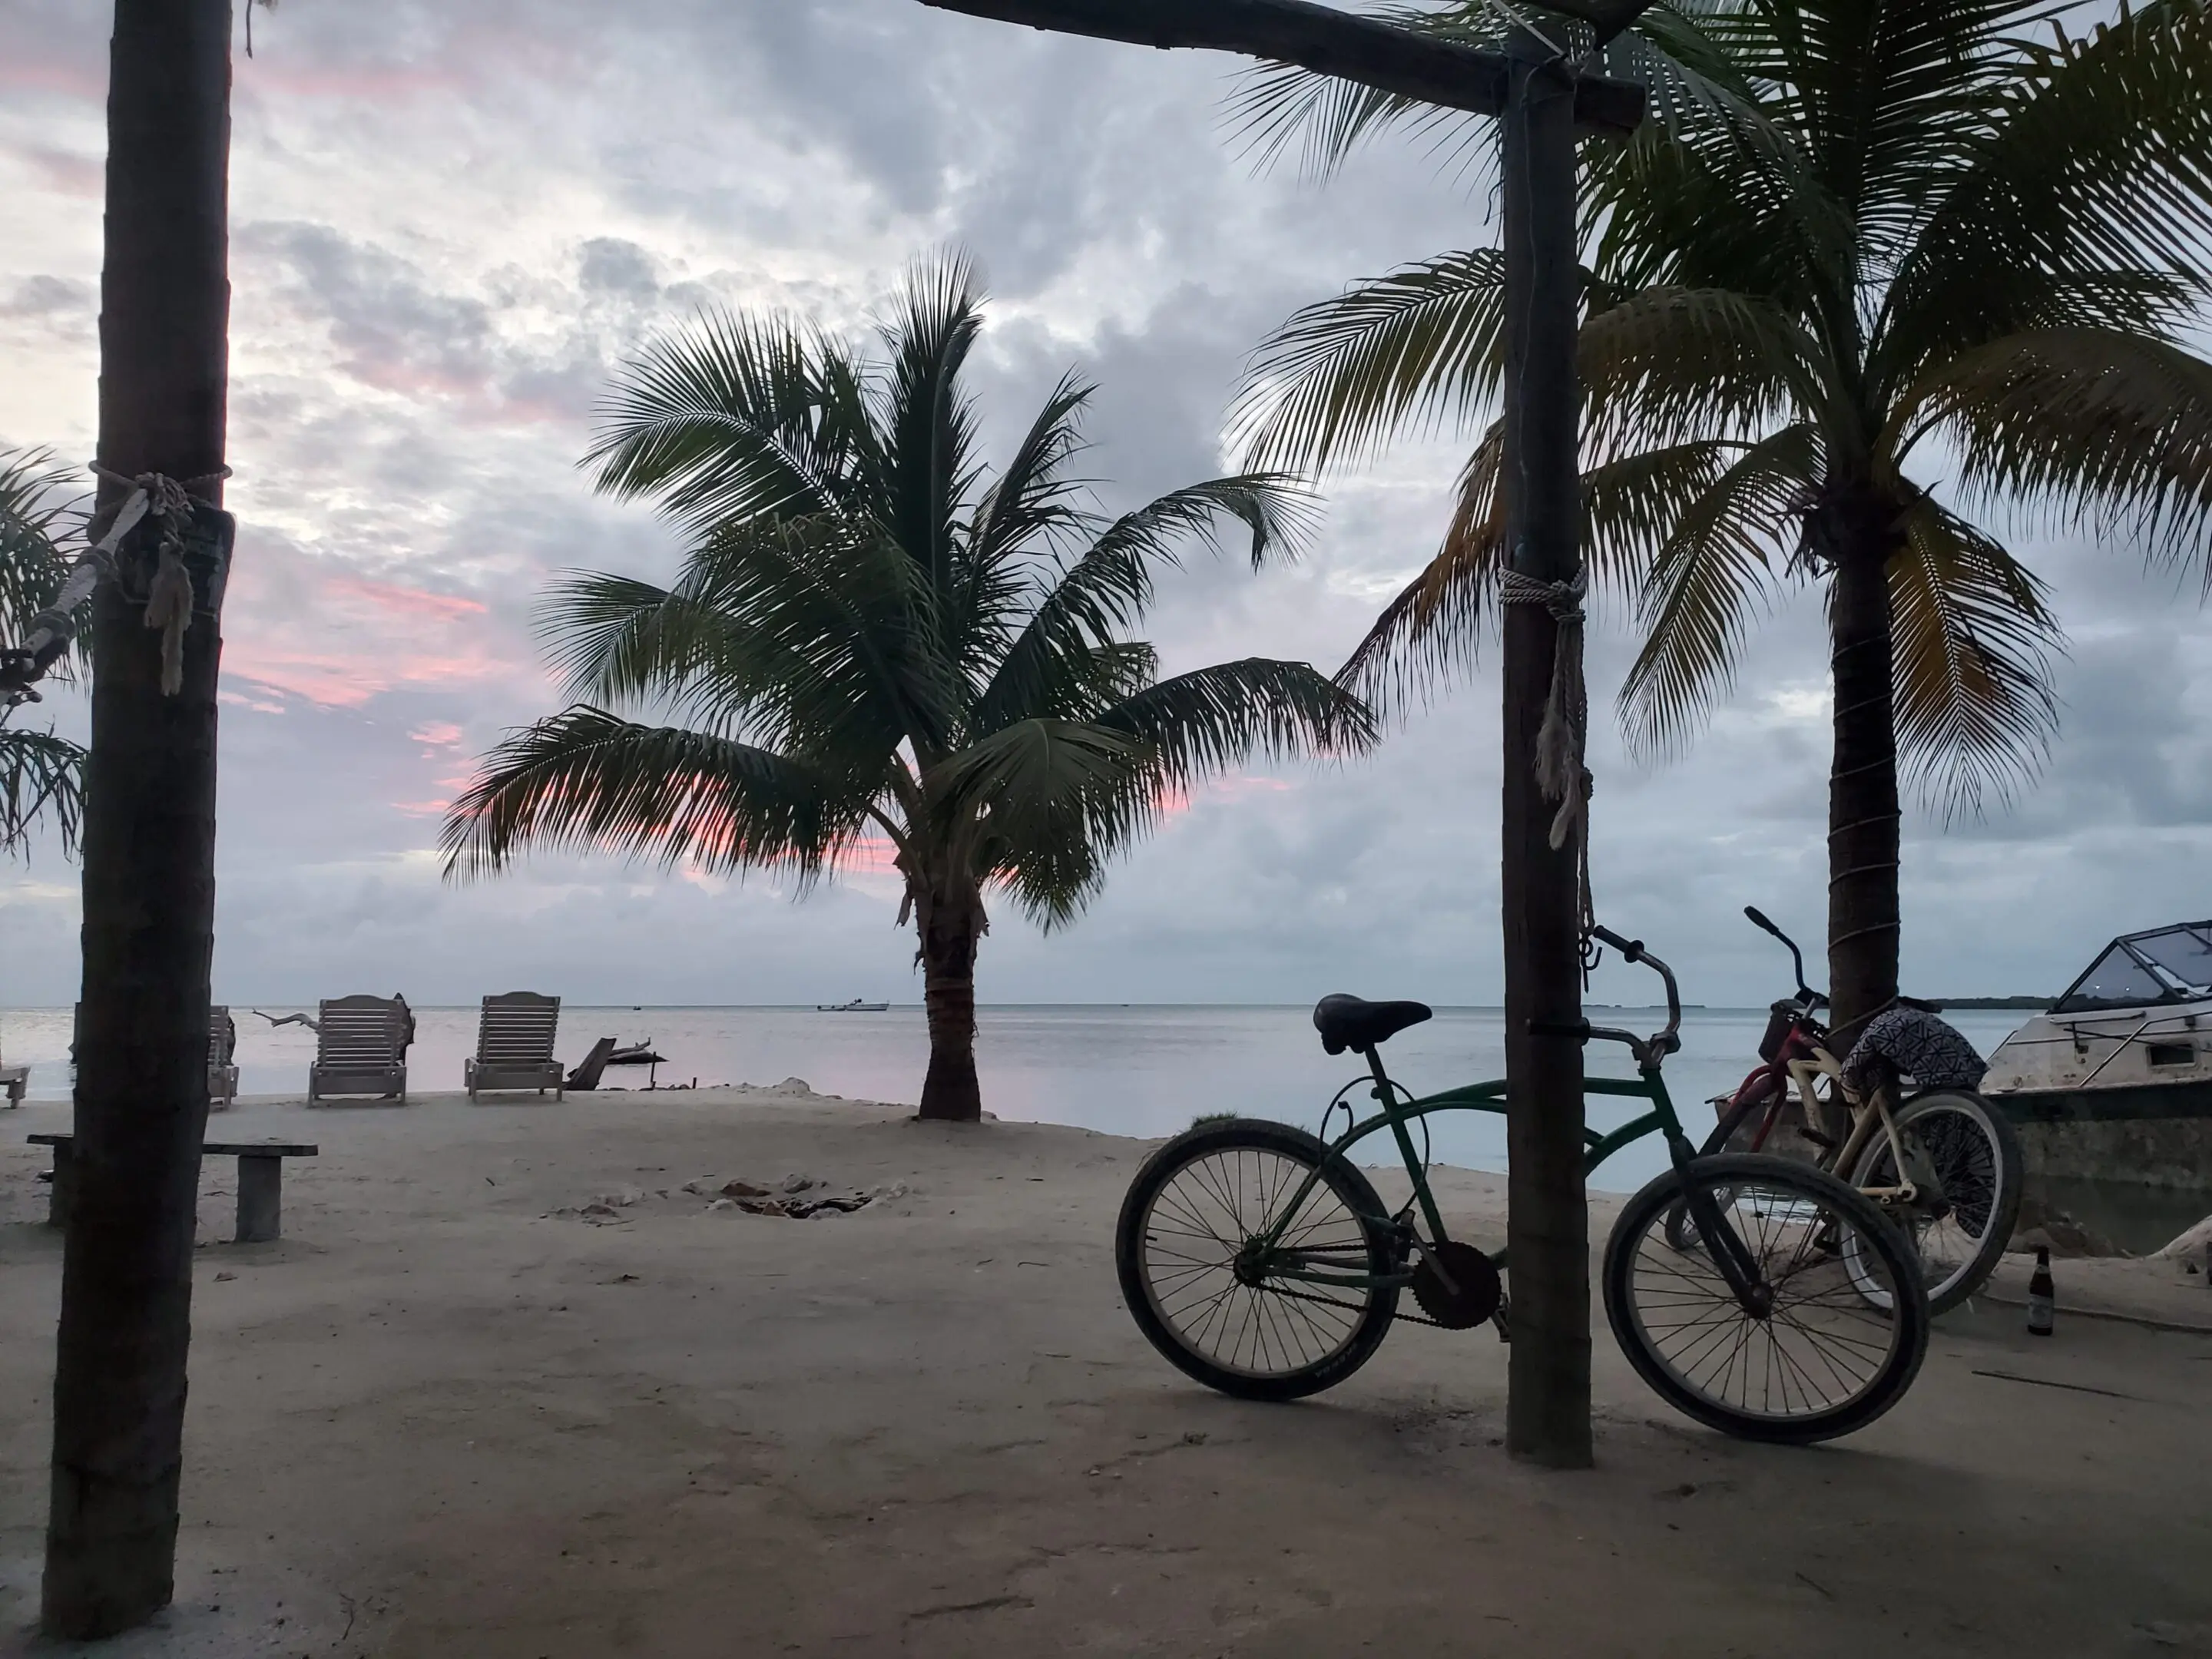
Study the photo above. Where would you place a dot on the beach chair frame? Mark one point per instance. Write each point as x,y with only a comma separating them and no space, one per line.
514,1045
360,1048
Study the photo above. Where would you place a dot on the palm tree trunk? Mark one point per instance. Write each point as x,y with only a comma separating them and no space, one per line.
951,918
148,850
1859,534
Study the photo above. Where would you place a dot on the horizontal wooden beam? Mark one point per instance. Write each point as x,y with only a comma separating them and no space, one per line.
1329,42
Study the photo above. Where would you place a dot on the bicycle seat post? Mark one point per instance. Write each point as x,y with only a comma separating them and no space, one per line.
1383,1084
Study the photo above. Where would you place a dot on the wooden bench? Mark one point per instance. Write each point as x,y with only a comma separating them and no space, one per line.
260,1182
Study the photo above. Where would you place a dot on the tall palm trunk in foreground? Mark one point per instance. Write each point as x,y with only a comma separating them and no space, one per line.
874,637
148,849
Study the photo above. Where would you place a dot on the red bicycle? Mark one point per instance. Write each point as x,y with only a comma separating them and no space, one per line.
1943,1164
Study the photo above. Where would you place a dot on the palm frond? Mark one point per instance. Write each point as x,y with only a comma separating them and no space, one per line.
1715,568
585,779
2111,431
1974,637
928,422
1430,632
41,779
1672,365
1406,351
37,504
1277,107
2096,161
1033,499
740,416
1030,513
812,636
1050,799
1109,586
1200,724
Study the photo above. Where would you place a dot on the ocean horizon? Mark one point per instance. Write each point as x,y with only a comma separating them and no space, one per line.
1142,1069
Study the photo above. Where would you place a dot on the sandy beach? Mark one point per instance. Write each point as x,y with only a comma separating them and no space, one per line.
506,1388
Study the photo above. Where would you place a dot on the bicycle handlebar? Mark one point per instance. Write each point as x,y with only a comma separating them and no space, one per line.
1811,998
1632,950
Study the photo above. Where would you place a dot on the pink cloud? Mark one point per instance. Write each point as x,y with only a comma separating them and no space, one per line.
405,601
871,855
439,734
271,73
335,680
71,79
70,174
421,809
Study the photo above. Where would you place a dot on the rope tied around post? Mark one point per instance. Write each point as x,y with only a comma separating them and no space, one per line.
169,595
1561,772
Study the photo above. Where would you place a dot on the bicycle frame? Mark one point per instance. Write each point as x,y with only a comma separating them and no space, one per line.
1400,1110
1805,1071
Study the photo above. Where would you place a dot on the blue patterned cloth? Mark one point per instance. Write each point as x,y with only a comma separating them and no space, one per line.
1918,1044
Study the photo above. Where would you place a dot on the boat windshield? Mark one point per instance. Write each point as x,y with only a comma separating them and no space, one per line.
2164,964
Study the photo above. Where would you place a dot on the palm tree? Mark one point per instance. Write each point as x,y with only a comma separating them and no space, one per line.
1866,251
872,637
41,775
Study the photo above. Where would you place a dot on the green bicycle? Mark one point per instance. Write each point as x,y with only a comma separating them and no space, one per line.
1259,1259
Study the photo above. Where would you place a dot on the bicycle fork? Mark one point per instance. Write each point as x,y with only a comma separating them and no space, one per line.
1723,1245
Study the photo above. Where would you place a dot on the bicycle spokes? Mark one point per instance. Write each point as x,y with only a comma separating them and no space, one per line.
1251,1305
1807,1342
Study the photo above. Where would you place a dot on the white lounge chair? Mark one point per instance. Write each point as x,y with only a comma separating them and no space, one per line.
16,1080
360,1048
514,1045
222,1068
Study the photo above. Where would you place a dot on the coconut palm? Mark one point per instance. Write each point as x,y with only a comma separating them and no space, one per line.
41,775
874,639
1879,276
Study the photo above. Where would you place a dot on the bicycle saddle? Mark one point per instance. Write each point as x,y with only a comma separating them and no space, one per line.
1355,1024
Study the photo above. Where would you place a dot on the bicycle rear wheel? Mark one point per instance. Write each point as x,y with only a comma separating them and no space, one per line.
1217,1304
1969,1152
1819,1361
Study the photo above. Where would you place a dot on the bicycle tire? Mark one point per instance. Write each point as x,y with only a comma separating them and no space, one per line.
1806,1207
1989,1198
1235,1155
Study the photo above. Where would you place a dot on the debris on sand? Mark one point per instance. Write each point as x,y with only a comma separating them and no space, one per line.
795,1197
798,1197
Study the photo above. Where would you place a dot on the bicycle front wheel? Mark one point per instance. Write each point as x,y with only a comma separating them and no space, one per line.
1817,1360
1258,1319
1964,1157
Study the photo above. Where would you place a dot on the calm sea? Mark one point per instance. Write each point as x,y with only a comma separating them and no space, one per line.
1132,1071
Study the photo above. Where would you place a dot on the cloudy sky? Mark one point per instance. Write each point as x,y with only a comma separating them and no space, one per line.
451,219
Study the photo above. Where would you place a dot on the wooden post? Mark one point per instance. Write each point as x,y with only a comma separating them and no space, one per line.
260,1198
148,848
1548,1228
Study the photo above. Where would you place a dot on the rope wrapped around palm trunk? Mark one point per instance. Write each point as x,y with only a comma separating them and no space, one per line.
169,595
1561,773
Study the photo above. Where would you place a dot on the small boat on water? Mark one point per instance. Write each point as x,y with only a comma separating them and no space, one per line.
856,1006
2113,1081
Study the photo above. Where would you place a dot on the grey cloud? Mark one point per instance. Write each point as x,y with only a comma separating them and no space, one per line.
392,326
46,296
609,264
